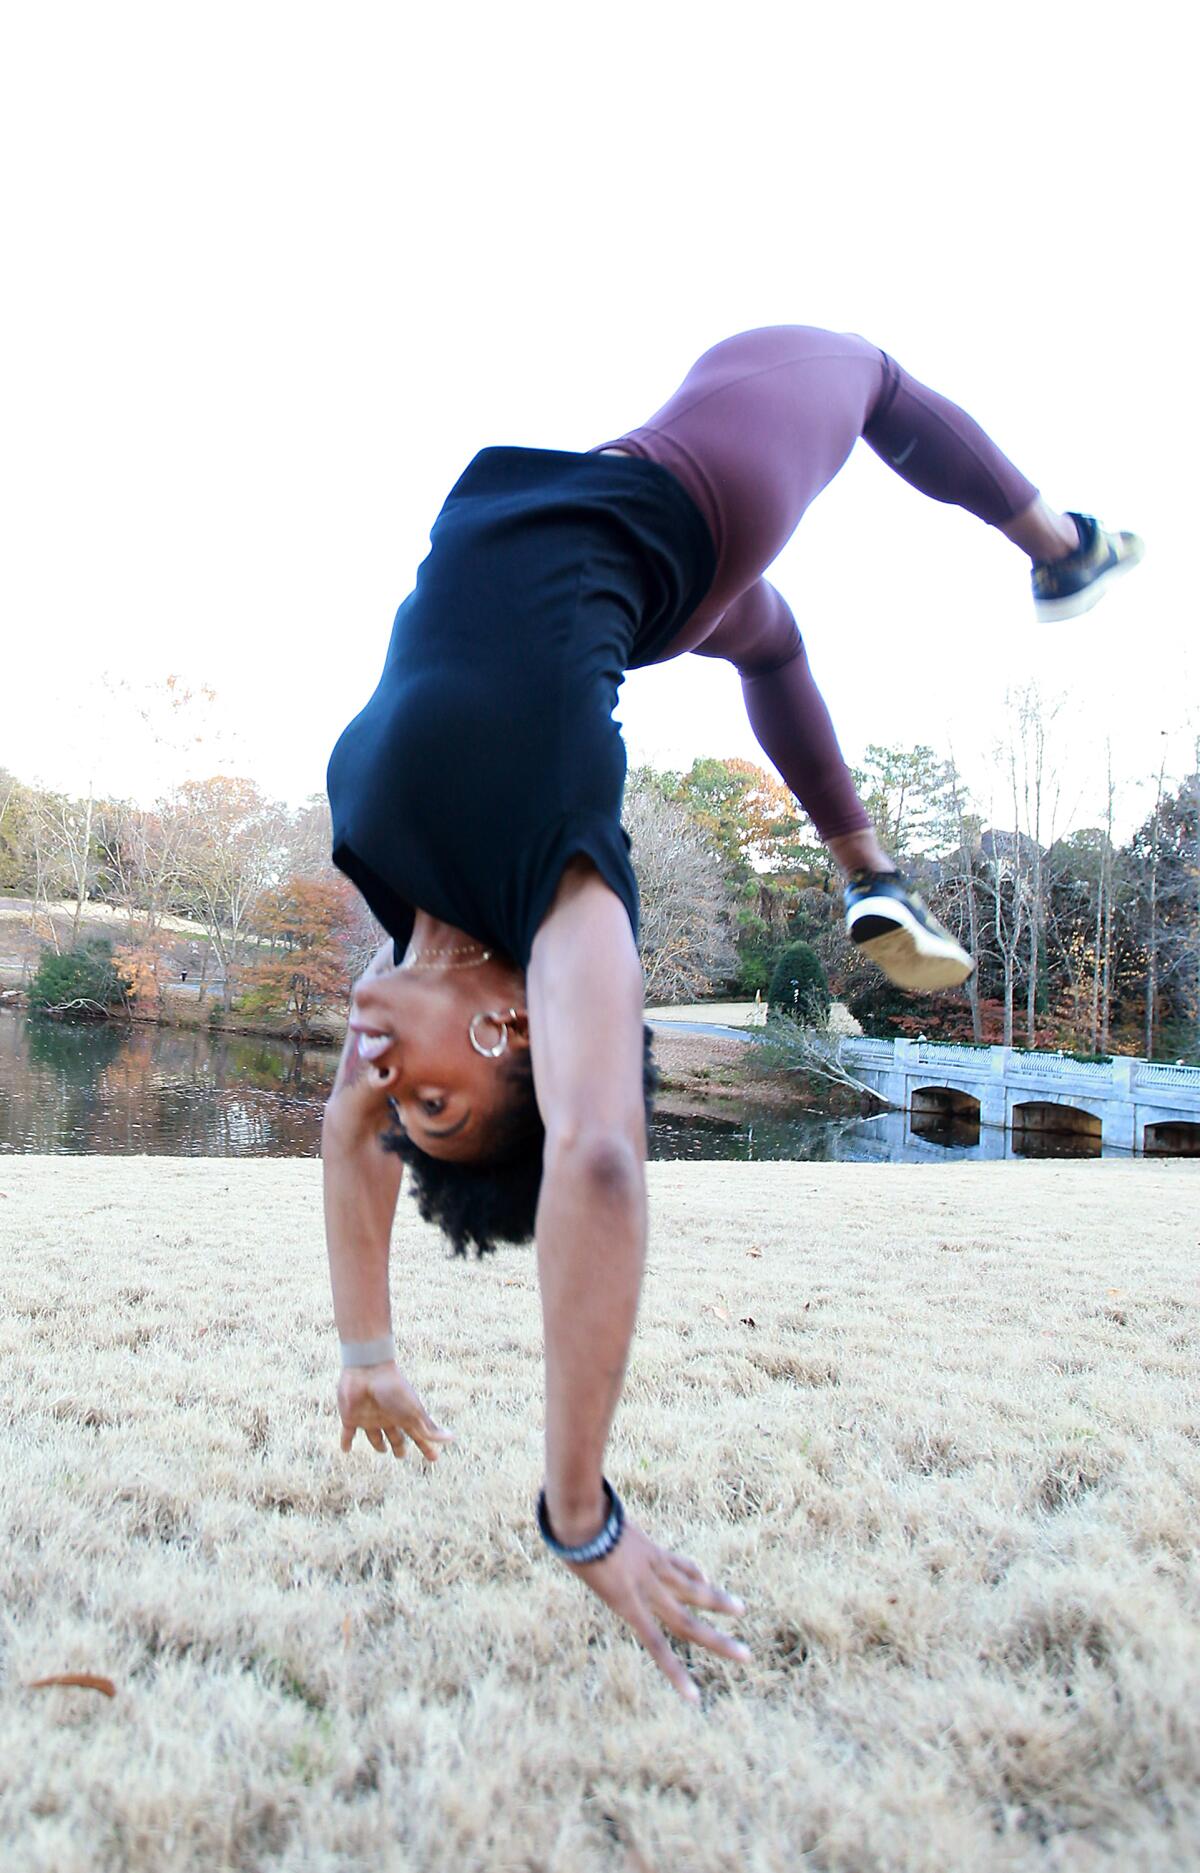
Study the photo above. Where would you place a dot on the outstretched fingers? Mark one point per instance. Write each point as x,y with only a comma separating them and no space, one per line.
428,1437
684,1625
659,1647
682,1585
691,1584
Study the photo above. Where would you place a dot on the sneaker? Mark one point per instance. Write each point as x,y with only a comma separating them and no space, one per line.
889,923
1063,588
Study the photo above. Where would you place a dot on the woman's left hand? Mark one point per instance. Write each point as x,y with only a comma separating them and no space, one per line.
379,1402
650,1588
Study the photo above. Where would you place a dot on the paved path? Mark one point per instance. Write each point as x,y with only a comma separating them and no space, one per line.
725,1014
696,1027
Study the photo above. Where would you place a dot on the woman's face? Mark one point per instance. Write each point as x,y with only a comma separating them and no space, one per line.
414,1030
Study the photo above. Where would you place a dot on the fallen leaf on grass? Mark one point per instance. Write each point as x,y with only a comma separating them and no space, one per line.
748,1320
86,1680
721,1313
756,1253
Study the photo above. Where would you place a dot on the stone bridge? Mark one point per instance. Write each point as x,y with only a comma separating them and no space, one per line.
1130,1104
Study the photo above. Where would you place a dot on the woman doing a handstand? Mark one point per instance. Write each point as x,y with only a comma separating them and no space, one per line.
496,1042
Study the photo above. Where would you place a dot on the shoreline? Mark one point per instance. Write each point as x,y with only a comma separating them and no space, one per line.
711,1076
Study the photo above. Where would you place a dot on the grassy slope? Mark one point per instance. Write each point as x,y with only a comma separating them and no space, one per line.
953,1465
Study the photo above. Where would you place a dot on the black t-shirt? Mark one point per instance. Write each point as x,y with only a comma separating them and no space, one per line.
488,757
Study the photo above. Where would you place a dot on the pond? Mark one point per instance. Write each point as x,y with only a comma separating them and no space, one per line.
179,1092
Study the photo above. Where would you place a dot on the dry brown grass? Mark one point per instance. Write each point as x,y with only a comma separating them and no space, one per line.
939,1427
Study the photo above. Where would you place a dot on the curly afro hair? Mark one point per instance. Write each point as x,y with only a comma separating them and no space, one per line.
480,1205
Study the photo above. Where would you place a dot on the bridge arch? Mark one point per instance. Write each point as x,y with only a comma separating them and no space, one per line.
944,1102
944,1117
1174,1138
1039,1120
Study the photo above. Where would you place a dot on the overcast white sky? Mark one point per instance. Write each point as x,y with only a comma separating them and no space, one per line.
274,273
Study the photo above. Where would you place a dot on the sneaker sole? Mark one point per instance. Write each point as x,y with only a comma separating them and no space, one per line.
1055,610
910,955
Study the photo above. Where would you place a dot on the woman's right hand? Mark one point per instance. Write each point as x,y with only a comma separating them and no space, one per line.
650,1588
379,1402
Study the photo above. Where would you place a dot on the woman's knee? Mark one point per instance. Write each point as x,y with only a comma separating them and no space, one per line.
758,634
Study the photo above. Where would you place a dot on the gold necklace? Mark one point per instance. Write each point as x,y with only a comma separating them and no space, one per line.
422,959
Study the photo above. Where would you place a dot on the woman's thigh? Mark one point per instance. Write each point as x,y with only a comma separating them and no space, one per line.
760,424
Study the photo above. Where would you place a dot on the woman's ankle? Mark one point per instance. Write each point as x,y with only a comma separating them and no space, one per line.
860,851
1042,532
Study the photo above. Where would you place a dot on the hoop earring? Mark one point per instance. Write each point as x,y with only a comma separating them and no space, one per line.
495,1021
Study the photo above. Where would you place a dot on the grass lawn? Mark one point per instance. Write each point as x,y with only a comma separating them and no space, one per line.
938,1426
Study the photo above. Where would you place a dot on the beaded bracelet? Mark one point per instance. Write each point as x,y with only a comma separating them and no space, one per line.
599,1545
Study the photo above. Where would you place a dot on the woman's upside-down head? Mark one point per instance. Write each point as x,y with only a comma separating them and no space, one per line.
451,1049
477,1205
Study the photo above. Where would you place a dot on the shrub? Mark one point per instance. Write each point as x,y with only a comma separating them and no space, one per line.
84,983
798,985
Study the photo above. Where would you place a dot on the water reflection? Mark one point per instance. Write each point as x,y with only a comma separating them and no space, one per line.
888,1138
803,1139
111,1088
907,1138
191,1093
950,1131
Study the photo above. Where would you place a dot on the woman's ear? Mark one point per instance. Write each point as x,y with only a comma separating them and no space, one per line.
517,1024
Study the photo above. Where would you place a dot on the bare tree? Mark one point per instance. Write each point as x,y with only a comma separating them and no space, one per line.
230,853
142,849
363,936
1102,943
1036,795
962,884
308,840
686,942
1152,931
60,857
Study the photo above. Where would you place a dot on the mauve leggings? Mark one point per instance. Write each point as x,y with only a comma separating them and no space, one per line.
760,424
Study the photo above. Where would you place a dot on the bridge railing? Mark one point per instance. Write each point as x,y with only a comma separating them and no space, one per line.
948,1053
1061,1067
1151,1073
1122,1075
866,1051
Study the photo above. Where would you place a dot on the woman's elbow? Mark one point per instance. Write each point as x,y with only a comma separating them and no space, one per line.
607,1161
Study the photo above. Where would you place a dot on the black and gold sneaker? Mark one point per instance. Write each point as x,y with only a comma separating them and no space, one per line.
1063,588
893,926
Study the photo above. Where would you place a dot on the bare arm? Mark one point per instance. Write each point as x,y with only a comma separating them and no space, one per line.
361,1186
585,1021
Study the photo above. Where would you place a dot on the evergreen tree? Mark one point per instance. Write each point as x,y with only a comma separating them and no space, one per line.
82,982
798,985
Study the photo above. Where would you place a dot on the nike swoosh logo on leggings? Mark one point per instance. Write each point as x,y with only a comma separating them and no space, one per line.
898,461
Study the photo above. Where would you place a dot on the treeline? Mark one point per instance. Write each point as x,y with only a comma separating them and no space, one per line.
217,887
1082,942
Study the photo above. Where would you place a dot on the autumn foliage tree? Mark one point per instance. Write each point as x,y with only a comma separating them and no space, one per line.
751,818
145,964
310,925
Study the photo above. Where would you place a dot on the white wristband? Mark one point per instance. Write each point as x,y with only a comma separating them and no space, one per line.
368,1352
